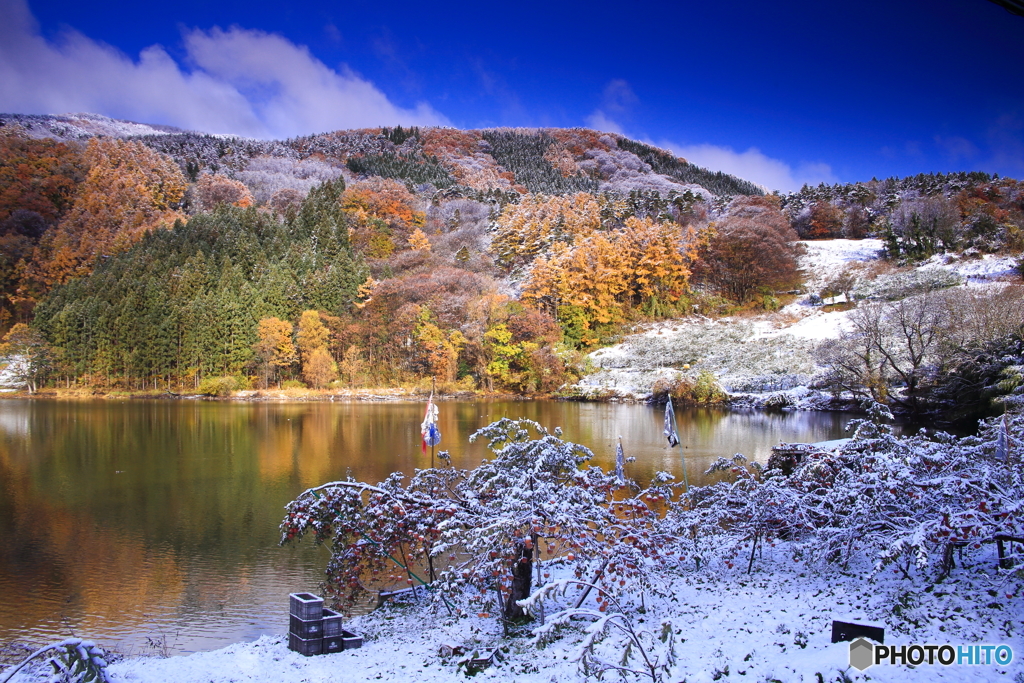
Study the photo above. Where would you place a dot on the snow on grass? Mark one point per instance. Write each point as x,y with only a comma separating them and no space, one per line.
772,624
774,352
824,259
736,352
975,270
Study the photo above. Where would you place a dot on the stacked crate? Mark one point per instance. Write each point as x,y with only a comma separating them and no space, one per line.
314,630
305,623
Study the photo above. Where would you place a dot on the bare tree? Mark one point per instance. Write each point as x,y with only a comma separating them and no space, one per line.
893,351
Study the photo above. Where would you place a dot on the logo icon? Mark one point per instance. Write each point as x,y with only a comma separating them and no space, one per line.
862,654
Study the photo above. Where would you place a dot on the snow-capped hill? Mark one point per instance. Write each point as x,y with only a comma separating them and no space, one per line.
81,126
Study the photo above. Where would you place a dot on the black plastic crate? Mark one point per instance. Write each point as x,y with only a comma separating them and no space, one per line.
306,606
305,646
333,644
313,628
332,623
351,640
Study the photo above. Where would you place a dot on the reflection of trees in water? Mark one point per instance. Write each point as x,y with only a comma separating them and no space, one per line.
172,508
57,562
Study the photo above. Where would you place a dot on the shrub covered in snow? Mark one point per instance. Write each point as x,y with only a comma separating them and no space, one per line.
480,533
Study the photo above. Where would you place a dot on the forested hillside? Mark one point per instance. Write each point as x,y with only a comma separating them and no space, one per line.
138,257
918,216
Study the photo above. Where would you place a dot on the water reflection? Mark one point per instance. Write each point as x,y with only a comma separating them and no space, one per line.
156,522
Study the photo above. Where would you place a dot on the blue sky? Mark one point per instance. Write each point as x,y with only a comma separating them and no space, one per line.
780,93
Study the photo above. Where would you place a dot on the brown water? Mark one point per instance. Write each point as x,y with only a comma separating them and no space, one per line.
152,526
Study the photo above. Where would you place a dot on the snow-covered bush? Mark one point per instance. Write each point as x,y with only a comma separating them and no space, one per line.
613,641
909,502
902,284
904,502
480,533
73,661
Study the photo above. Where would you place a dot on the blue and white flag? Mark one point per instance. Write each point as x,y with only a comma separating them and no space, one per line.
428,430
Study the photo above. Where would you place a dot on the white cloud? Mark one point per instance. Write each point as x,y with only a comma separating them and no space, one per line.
600,121
754,165
618,97
617,100
238,81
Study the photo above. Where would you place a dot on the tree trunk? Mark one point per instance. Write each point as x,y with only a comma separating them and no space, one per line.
522,576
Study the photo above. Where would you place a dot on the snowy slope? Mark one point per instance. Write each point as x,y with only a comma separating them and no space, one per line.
772,624
773,351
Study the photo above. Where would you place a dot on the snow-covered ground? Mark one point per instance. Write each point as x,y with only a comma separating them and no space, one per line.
771,625
824,259
758,356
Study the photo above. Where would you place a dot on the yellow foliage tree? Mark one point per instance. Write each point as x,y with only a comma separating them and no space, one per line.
605,272
441,347
365,291
352,364
319,369
532,226
274,345
312,335
659,257
418,241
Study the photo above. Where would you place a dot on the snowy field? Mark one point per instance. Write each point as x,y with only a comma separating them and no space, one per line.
771,625
771,353
824,259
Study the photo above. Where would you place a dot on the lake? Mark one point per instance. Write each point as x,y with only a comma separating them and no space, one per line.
152,526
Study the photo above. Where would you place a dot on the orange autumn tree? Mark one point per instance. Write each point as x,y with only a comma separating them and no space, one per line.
604,275
537,222
129,190
39,180
386,214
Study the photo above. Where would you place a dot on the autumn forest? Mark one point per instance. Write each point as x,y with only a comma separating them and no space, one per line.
474,260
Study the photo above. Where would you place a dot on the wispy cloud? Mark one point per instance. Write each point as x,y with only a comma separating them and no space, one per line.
754,165
617,102
1006,140
600,121
237,81
956,148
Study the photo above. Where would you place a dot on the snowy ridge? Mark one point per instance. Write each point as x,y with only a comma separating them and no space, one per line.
81,126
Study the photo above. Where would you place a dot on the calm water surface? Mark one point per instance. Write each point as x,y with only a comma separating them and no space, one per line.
151,525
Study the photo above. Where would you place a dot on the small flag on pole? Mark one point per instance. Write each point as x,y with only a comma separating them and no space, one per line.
428,430
670,424
1002,441
620,464
673,437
